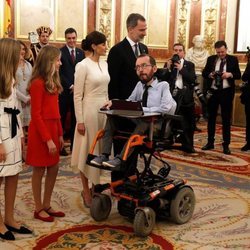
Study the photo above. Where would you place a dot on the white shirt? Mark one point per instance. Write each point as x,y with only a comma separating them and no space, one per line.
225,83
132,44
159,97
179,81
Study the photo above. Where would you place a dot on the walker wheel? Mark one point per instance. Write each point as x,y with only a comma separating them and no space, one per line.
100,207
144,221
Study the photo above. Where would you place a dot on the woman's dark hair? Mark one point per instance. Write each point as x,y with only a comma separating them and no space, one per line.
95,37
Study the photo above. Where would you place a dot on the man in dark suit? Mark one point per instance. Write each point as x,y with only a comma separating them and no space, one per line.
70,57
121,66
180,74
221,70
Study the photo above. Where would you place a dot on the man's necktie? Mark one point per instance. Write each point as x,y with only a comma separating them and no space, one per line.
136,50
222,63
73,56
145,96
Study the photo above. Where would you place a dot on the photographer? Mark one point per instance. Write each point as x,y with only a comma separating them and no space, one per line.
245,99
221,70
180,74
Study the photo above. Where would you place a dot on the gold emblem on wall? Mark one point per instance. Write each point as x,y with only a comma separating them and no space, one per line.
210,24
182,22
104,19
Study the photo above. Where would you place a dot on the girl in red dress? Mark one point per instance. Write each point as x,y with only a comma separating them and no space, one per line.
45,136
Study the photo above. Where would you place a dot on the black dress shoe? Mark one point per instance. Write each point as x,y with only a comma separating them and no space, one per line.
208,146
63,152
226,150
8,235
246,147
21,230
189,150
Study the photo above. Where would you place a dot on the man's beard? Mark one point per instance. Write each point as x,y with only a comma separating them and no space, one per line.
145,81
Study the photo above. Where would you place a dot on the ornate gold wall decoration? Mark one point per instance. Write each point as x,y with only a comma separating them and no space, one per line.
211,10
104,19
183,13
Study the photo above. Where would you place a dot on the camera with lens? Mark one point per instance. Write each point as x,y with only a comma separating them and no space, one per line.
200,95
218,79
175,59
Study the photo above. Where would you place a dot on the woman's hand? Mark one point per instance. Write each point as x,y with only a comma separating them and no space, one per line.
52,147
81,128
61,142
2,153
106,105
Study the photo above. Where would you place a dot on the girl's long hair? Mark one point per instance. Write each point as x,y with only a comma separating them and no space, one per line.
9,59
44,68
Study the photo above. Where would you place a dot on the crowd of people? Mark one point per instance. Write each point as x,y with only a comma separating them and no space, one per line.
41,84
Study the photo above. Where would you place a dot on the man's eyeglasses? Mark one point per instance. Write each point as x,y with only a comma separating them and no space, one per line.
142,66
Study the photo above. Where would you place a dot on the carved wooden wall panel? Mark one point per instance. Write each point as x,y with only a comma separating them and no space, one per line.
70,14
168,21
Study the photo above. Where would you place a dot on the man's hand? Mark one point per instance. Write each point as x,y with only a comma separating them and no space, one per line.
226,75
178,66
71,88
211,75
169,63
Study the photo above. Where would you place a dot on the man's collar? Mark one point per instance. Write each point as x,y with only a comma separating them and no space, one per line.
70,48
132,43
153,83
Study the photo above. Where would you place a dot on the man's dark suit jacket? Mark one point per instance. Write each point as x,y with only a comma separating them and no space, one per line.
232,66
188,78
67,69
121,66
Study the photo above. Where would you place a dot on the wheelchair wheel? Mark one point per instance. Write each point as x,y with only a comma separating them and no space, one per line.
182,206
144,221
100,207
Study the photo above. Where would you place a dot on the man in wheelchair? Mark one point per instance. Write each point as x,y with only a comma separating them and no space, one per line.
155,97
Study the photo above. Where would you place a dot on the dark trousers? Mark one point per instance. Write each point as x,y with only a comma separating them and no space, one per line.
224,99
247,113
188,125
66,103
126,125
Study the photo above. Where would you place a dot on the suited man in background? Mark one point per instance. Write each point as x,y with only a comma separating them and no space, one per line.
180,74
121,66
70,57
221,71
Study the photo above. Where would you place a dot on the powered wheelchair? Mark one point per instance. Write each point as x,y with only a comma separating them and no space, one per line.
144,196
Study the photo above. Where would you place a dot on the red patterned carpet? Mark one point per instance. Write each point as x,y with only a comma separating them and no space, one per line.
103,237
237,163
220,221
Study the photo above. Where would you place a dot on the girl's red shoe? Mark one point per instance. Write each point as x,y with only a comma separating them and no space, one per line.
39,217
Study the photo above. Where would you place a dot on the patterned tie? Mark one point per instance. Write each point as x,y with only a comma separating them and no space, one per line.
73,56
145,96
136,50
222,63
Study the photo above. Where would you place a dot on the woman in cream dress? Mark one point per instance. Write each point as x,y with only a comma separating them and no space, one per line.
90,93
